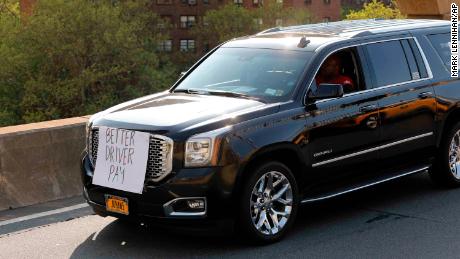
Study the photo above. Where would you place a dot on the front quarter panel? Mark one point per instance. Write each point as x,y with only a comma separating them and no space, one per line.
284,129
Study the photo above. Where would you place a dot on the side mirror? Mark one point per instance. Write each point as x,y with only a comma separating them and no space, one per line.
326,91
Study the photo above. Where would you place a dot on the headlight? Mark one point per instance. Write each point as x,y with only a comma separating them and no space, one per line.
198,152
202,149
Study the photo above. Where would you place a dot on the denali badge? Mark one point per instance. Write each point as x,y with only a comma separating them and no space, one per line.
325,152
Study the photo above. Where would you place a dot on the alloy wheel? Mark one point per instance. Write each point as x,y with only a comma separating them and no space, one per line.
271,203
454,155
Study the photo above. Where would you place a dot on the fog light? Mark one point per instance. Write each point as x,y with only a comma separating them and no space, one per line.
196,204
183,207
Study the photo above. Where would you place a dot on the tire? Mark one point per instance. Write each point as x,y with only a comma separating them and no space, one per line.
446,169
258,199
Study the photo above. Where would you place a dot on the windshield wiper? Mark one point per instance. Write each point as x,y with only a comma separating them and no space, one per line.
218,93
237,95
190,91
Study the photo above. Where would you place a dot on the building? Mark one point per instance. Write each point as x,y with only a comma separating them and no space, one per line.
358,4
183,14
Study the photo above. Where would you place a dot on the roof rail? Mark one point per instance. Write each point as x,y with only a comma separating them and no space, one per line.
362,34
275,29
320,26
349,28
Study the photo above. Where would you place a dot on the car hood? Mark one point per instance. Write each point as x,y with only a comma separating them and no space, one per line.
167,113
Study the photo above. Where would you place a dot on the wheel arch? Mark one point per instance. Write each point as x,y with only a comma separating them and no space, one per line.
287,153
451,118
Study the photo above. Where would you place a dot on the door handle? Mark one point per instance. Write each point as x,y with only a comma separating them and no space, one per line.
372,122
368,108
425,95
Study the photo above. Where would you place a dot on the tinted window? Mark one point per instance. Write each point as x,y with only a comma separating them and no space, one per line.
264,73
418,57
411,60
441,42
342,67
389,63
414,59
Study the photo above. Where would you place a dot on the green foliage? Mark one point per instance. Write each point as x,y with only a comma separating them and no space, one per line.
272,10
376,9
10,7
232,21
345,10
11,62
77,57
218,27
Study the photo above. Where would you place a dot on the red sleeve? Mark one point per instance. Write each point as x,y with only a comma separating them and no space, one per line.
345,80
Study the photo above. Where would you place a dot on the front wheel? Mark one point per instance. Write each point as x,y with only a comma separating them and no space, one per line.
268,204
446,170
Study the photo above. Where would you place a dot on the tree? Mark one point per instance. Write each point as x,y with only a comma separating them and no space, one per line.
10,7
376,9
227,22
273,13
10,64
77,57
294,16
232,21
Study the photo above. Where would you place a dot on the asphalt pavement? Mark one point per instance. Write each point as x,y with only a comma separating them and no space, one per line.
405,218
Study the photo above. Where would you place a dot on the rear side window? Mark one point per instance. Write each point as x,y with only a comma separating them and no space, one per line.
388,62
441,43
414,58
418,57
411,60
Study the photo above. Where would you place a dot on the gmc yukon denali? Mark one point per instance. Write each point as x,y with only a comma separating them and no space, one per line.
292,115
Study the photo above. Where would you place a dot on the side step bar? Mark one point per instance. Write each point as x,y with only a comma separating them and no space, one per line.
360,186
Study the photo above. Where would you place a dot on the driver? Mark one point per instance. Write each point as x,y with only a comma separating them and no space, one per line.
329,73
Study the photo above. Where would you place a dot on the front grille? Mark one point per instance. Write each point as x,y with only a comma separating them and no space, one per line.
93,145
159,162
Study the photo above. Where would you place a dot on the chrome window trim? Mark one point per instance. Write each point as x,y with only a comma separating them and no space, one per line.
372,149
425,60
422,53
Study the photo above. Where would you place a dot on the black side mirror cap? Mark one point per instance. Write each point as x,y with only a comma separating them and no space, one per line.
326,91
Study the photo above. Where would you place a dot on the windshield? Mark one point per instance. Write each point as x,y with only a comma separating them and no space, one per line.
266,74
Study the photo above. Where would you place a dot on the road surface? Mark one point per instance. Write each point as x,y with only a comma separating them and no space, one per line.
405,218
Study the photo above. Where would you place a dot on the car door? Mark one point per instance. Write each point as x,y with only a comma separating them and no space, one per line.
343,131
407,107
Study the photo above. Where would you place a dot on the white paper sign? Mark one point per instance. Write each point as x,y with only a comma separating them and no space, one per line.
121,159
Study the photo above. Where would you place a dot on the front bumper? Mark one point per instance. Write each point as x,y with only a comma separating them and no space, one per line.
214,184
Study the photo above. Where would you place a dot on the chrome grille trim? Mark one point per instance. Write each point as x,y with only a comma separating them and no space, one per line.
93,143
159,161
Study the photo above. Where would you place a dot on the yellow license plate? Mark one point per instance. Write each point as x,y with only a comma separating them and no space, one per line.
116,204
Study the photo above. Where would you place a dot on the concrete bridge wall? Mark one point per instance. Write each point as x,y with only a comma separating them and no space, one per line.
39,162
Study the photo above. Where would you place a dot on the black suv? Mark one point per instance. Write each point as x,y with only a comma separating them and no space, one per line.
291,115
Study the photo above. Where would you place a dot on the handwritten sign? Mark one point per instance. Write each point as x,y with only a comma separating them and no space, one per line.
121,159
